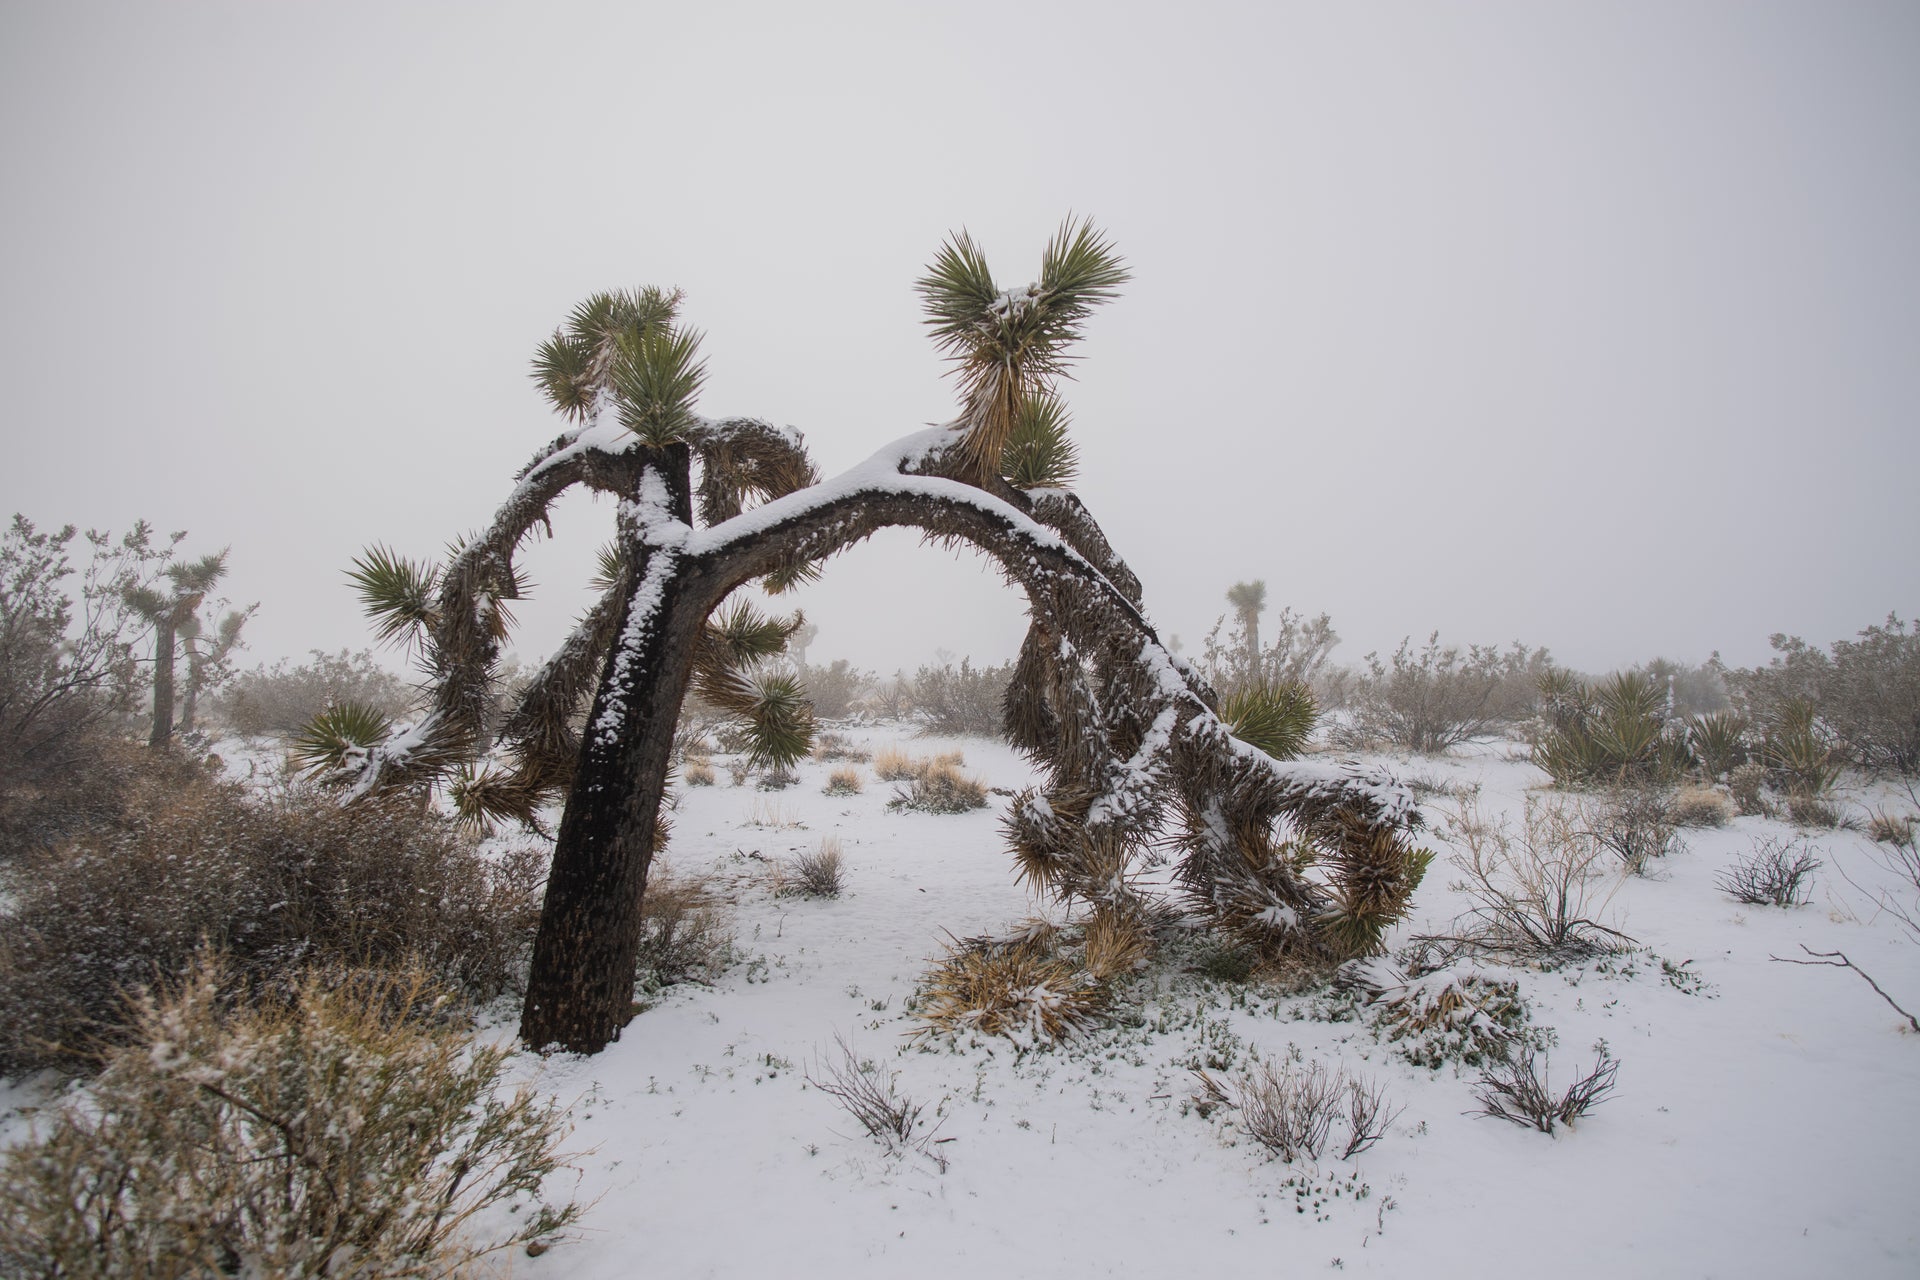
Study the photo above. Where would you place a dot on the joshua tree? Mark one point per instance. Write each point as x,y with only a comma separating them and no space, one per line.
1134,748
802,638
1249,599
168,612
208,657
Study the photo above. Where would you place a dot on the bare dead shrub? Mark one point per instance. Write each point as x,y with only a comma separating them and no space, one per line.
1838,960
871,1095
338,1133
1637,825
1521,1092
1369,1113
1290,1109
843,782
281,882
1775,874
1535,895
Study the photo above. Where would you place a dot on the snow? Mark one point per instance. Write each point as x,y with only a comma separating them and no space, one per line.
1762,1128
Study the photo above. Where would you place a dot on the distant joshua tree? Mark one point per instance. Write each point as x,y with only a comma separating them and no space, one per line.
1135,752
170,612
1249,600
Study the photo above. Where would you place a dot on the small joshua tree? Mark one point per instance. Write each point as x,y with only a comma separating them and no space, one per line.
1136,747
170,612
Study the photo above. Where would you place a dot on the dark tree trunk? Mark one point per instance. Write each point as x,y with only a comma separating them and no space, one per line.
580,989
162,683
189,702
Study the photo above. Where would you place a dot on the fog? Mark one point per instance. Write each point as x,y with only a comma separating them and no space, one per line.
1590,325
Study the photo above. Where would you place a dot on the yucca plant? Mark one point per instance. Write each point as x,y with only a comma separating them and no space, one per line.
1719,742
1799,759
1614,734
1277,718
1008,346
1038,453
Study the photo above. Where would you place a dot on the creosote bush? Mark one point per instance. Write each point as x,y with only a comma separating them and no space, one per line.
962,701
280,882
1637,826
351,1130
1774,874
1430,699
282,699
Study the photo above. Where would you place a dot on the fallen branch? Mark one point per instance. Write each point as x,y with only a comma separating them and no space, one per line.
1838,960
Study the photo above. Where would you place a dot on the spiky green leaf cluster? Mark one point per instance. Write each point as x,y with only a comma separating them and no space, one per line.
1009,345
1612,733
780,721
340,734
623,347
1277,718
398,594
1039,454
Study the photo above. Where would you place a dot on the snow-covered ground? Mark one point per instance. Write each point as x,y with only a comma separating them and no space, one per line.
1766,1120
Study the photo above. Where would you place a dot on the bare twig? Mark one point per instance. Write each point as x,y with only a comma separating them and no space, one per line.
1838,960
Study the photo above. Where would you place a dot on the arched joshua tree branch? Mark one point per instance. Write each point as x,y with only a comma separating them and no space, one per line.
1309,858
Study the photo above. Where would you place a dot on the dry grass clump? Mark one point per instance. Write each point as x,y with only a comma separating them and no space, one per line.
1746,784
1890,828
699,773
686,931
1023,988
837,746
892,764
281,882
817,873
347,1131
843,782
1700,807
940,787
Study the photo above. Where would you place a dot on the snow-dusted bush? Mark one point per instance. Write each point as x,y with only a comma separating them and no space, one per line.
1699,807
1291,1109
1461,1015
815,873
282,698
280,882
1637,825
348,1131
836,689
1865,692
1026,988
843,782
1429,699
940,787
961,701
829,747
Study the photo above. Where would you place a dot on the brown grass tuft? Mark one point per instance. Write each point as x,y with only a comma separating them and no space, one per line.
1021,989
843,782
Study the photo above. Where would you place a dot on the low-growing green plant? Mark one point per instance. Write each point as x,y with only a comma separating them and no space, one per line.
1451,1015
348,1131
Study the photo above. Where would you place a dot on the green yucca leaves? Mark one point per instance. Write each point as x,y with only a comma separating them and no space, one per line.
1038,453
485,794
1277,718
339,734
576,366
562,369
398,594
610,567
742,635
791,574
780,724
1008,346
1719,741
656,374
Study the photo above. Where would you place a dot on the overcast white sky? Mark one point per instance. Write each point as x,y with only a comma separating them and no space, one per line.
1593,325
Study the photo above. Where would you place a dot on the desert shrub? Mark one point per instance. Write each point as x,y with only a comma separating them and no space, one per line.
1774,874
282,699
1699,807
829,747
280,882
961,701
940,787
105,782
1806,810
1534,894
891,698
1430,699
836,689
685,932
816,873
1297,655
699,773
871,1095
1637,825
1614,733
338,1133
1746,785
843,782
1516,1090
1865,693
1461,1015
1291,1109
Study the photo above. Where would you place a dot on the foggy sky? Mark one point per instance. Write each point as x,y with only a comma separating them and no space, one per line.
1595,326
